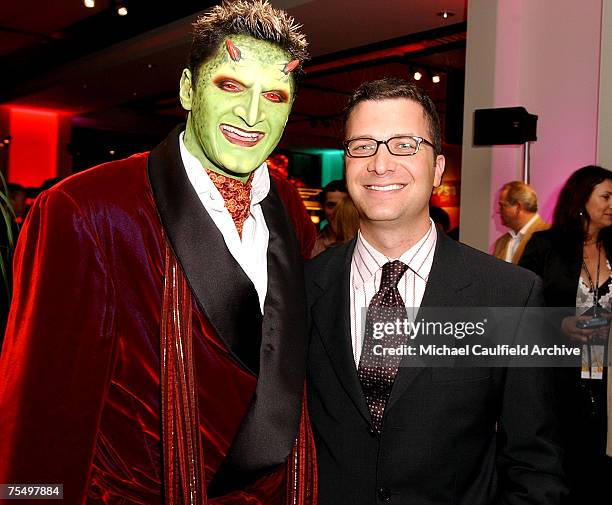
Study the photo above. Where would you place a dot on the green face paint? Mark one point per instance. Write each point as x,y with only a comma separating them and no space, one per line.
238,109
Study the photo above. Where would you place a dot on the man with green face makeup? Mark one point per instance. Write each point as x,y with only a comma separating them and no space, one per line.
156,344
239,103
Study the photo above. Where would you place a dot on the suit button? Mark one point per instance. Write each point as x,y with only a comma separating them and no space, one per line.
384,495
372,431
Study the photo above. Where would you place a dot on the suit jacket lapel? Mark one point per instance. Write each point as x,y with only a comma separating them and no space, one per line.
335,331
447,278
228,299
270,426
201,251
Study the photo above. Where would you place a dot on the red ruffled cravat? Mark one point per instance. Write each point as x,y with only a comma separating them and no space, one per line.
237,196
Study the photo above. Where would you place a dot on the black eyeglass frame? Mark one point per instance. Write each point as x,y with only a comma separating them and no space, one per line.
418,139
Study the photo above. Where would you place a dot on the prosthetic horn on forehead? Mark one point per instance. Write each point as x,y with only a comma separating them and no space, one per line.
235,55
291,66
233,51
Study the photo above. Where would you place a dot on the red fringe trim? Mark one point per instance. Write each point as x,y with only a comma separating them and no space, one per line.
184,481
302,483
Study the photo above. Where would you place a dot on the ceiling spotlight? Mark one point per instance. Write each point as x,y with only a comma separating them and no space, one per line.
445,14
122,9
90,4
417,76
435,78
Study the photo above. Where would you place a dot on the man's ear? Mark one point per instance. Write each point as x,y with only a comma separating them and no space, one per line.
439,170
186,89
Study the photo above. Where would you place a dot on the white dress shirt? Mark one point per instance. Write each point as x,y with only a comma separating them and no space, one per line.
516,238
366,273
251,251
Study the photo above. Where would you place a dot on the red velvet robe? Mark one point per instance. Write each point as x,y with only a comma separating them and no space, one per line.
80,367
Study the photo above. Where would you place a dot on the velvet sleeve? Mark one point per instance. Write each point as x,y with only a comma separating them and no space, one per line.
57,355
304,228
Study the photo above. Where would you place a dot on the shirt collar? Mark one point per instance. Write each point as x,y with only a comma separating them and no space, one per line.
524,229
367,260
204,187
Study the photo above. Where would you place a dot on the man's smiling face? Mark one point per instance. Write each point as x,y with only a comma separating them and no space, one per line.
239,105
387,189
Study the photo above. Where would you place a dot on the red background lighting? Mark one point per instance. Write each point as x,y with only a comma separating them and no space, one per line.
33,151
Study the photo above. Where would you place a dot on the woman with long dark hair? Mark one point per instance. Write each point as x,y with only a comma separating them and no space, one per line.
573,259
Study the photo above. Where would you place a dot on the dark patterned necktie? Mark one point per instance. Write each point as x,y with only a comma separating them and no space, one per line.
377,373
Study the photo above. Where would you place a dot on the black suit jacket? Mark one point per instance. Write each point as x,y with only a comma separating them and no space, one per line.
439,443
557,260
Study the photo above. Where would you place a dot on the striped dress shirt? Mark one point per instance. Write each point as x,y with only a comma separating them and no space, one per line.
366,273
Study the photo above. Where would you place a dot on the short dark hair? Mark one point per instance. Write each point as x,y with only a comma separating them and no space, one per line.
255,18
394,87
330,187
571,217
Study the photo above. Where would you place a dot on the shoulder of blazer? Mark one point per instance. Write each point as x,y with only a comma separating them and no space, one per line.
550,250
326,267
500,243
546,239
502,239
486,267
540,225
479,275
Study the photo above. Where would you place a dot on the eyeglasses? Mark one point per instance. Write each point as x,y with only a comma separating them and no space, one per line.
398,146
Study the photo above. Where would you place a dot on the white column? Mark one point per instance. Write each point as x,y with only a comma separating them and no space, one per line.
604,138
543,55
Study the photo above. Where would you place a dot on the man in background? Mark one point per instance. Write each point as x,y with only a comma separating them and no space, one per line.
518,210
329,197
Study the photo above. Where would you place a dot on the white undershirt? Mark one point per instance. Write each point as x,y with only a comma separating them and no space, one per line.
250,252
366,273
516,237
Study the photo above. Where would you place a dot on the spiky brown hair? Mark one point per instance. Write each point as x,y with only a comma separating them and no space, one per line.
255,18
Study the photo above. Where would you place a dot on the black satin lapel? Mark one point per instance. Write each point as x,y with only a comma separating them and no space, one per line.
266,435
446,279
224,292
335,331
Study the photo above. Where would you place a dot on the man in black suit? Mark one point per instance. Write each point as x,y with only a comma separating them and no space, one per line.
416,435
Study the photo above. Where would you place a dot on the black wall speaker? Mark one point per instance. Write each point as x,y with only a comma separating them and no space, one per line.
507,125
